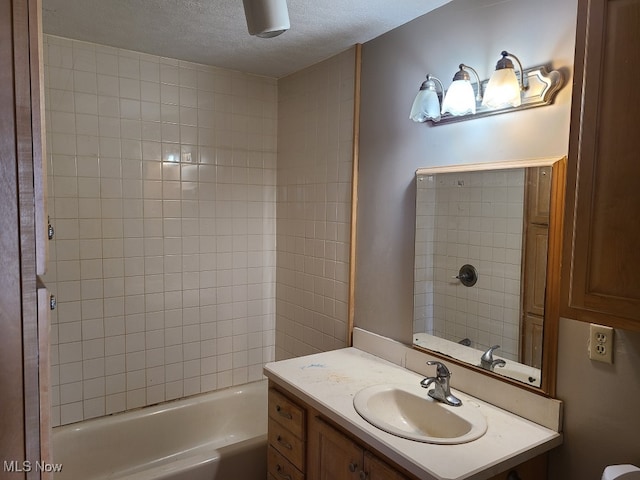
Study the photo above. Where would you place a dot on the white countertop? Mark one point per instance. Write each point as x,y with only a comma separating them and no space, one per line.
328,382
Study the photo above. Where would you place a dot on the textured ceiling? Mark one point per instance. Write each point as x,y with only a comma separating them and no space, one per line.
214,32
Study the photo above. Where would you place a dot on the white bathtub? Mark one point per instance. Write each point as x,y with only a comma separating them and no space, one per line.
220,435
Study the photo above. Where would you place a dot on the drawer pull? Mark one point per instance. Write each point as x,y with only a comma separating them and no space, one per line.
353,467
286,445
513,475
282,475
283,413
363,475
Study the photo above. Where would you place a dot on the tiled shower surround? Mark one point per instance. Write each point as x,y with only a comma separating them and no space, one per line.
470,218
315,148
162,193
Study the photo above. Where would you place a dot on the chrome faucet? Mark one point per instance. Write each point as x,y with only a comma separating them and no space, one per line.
441,391
488,363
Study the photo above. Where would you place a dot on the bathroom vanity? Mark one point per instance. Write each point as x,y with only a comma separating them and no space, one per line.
316,433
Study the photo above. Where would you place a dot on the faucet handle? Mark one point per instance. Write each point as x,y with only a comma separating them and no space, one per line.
441,368
488,355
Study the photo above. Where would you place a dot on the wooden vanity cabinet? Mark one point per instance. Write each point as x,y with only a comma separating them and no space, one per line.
335,456
304,445
601,258
287,437
534,469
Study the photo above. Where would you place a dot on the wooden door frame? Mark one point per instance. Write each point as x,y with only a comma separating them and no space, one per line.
20,149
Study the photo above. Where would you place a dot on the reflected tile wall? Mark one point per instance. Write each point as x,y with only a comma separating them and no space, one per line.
470,218
162,191
315,142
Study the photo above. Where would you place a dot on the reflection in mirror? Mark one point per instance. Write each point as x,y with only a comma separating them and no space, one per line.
480,266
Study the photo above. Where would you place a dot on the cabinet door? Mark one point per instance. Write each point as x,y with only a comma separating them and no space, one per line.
378,470
533,327
535,269
539,194
533,469
332,456
601,258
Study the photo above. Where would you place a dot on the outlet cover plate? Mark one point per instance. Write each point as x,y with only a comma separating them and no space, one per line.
601,343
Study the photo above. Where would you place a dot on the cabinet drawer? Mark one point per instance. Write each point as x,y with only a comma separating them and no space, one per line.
286,413
280,469
286,443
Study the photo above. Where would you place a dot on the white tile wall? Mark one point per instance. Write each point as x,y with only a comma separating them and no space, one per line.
315,143
163,197
470,218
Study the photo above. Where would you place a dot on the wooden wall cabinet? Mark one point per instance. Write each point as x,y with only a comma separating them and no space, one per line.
601,255
304,445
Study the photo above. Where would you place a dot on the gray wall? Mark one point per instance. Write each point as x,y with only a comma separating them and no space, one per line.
392,147
601,420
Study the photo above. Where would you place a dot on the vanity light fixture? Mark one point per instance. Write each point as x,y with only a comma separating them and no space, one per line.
426,105
460,99
504,92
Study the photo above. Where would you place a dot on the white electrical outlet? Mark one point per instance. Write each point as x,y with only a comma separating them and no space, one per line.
601,343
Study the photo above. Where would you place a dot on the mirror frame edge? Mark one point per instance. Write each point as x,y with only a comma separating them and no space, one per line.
554,266
552,289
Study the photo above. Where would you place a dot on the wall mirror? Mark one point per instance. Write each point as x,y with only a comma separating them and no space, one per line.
486,258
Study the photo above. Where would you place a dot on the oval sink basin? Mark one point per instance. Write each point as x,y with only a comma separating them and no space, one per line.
408,412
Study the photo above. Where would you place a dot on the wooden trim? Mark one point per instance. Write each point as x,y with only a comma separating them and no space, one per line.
44,365
474,167
26,206
554,265
354,194
20,354
12,435
38,134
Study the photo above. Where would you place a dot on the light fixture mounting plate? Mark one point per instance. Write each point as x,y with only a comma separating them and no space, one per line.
543,87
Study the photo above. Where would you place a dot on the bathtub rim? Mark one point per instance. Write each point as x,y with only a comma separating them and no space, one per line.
158,408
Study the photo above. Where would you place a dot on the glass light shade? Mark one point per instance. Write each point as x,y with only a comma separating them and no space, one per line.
426,105
460,99
503,90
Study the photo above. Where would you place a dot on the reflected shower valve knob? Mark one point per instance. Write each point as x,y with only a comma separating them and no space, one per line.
468,275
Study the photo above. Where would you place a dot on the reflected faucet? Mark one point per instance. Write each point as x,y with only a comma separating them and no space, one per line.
488,363
441,391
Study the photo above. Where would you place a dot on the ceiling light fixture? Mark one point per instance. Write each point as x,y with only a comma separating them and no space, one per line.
504,92
266,18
